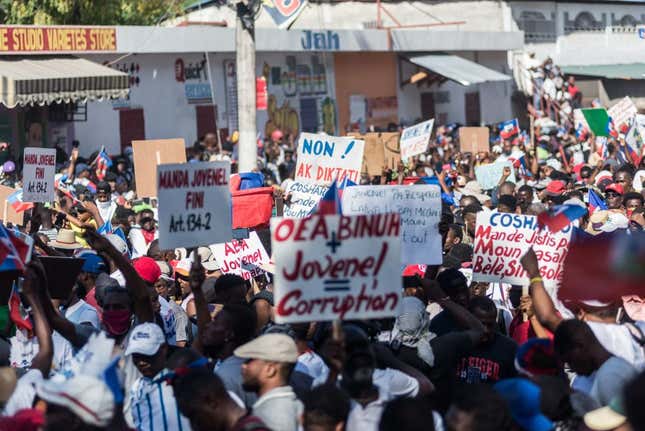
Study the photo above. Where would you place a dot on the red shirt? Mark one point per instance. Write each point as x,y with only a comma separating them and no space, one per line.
521,331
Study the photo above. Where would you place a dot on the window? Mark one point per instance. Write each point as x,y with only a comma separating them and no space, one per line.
64,112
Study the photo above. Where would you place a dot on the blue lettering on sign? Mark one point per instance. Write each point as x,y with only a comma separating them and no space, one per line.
318,147
197,91
320,40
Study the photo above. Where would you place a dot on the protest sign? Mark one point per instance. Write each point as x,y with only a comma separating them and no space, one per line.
242,257
391,146
415,139
194,204
374,155
336,267
324,158
623,112
38,173
9,214
474,139
488,175
501,239
419,207
148,155
304,198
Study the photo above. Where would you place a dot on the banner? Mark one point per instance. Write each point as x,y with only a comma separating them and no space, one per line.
419,207
241,257
150,153
324,158
304,198
488,175
501,239
415,139
474,140
623,112
284,12
336,267
194,204
57,39
39,168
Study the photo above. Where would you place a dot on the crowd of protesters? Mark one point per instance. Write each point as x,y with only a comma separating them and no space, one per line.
152,339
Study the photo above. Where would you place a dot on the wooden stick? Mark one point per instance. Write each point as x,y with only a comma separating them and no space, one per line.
525,292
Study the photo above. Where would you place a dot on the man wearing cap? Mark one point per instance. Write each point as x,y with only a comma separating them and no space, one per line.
76,309
152,402
144,232
270,359
614,196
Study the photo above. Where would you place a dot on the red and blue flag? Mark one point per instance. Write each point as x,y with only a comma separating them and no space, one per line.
560,216
16,202
508,129
595,202
103,163
330,203
13,251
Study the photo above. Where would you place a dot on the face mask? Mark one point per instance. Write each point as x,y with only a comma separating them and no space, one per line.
117,322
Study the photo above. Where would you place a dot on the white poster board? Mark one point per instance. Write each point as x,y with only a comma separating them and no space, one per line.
194,204
623,112
242,257
39,168
501,239
336,267
488,175
304,198
415,139
323,158
420,209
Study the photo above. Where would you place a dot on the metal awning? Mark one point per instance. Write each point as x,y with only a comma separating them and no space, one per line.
45,80
610,71
457,69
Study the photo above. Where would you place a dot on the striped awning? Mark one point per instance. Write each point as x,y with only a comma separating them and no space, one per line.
45,80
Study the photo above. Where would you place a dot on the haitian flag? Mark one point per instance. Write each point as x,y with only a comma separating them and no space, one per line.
508,129
16,202
13,251
560,216
595,202
330,202
103,163
17,313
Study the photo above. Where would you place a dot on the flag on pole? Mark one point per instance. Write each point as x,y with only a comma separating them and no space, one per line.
13,258
560,216
508,129
330,202
17,312
598,120
103,163
16,202
595,202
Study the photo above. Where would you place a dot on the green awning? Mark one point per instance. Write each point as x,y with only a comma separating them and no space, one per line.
611,71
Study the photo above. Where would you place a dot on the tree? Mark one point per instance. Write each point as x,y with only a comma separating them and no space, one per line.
89,12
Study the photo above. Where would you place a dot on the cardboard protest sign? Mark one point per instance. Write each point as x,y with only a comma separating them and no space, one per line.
38,173
415,139
241,257
148,155
391,146
336,267
501,239
420,209
374,154
61,274
488,175
623,112
304,198
474,139
194,204
324,158
9,214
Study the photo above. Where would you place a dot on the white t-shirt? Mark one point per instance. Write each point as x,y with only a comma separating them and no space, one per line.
367,418
619,342
610,379
25,392
312,364
394,382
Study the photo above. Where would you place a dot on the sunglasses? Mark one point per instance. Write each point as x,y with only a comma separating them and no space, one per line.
612,195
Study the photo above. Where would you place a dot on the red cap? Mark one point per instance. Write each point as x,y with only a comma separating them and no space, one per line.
412,270
147,269
555,188
276,135
616,188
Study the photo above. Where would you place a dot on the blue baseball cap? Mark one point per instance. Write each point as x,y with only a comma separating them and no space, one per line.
94,264
523,399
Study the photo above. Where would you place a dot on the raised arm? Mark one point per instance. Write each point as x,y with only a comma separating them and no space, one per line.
544,308
137,288
197,278
36,280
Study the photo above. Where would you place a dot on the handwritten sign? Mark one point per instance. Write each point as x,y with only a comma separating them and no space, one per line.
304,198
623,112
419,207
488,175
336,267
57,39
501,239
150,153
39,168
474,139
241,257
415,139
324,158
194,204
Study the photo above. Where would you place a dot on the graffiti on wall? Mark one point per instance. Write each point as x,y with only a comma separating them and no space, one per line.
284,118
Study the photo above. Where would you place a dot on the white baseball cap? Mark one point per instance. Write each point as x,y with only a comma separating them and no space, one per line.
145,339
118,243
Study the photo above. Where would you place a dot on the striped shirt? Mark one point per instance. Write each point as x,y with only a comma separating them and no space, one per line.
154,407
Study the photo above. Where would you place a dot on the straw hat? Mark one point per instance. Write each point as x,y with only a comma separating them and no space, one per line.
66,240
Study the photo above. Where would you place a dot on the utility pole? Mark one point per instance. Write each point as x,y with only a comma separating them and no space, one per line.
245,64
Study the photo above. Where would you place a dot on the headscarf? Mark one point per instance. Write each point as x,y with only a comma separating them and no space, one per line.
412,328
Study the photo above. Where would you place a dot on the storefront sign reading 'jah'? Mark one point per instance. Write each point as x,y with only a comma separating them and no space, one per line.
57,39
